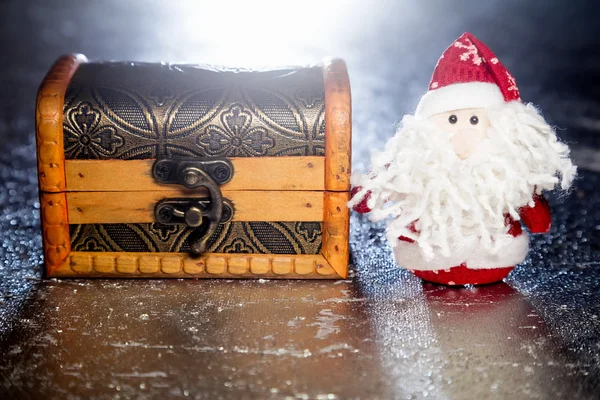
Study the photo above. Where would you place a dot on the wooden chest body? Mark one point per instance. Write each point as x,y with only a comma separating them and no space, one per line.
287,134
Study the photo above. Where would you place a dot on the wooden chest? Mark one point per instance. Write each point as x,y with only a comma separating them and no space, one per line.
160,170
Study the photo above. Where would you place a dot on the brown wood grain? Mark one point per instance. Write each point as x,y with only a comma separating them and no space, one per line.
250,173
50,158
338,126
138,207
55,229
183,265
49,122
336,225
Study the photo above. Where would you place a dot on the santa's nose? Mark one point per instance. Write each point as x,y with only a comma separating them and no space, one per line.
465,141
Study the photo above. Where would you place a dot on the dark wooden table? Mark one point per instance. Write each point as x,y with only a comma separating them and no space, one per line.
379,334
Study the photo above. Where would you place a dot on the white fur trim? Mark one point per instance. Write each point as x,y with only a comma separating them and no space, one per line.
409,256
460,96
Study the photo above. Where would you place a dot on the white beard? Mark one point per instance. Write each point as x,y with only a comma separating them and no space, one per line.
419,179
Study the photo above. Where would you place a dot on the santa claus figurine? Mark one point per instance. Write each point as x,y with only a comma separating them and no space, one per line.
461,175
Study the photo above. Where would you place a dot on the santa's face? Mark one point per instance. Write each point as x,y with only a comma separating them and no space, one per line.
467,128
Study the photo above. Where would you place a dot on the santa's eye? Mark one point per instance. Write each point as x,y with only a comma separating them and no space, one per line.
452,119
474,120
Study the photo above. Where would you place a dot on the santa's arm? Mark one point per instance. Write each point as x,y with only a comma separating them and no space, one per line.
537,218
361,207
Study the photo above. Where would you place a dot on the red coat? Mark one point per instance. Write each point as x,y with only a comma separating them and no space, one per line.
537,219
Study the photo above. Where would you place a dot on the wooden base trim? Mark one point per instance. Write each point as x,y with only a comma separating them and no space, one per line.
338,126
49,123
55,229
182,265
138,207
336,230
250,173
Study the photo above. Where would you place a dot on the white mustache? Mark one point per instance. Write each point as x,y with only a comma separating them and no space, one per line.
419,179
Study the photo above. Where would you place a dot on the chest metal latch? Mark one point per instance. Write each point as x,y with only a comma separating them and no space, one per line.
194,173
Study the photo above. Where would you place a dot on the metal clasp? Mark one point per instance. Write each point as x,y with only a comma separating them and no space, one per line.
194,173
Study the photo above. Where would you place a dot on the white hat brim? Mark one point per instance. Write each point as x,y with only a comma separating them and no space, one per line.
459,96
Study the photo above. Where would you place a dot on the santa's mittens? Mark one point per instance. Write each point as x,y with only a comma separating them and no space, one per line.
537,218
461,275
361,207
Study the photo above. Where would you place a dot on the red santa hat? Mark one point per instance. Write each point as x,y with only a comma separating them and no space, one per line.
467,75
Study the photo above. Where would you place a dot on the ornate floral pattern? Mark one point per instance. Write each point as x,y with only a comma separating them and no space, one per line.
160,94
308,230
85,138
238,138
234,237
164,232
141,111
238,246
92,244
310,96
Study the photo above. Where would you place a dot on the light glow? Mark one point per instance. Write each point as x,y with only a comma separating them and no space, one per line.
257,33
